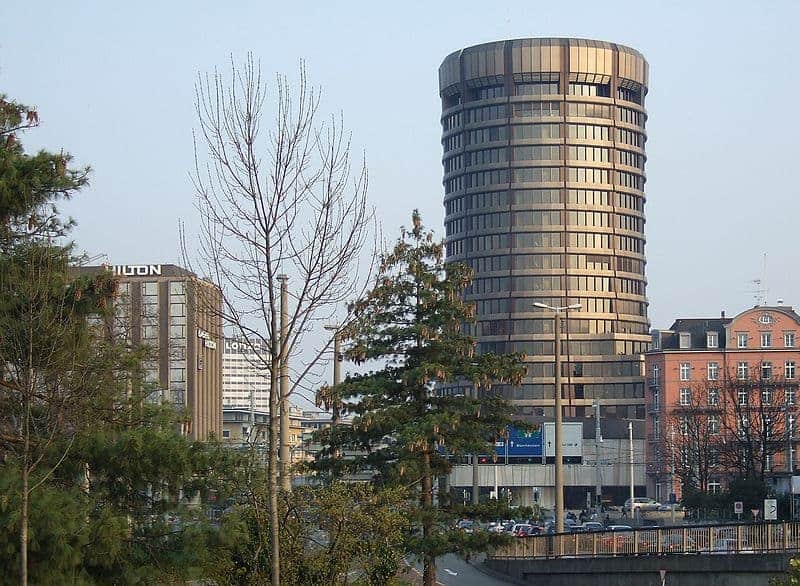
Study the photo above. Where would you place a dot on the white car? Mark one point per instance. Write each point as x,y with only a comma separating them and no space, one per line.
642,503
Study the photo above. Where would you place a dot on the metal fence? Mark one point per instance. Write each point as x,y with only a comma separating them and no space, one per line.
708,539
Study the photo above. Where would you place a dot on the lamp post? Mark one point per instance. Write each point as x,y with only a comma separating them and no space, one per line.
559,463
337,378
286,468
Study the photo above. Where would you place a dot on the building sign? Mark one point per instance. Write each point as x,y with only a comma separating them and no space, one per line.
240,346
571,439
210,344
203,335
521,443
136,270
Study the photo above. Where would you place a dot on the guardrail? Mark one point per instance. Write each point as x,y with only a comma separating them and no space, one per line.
708,539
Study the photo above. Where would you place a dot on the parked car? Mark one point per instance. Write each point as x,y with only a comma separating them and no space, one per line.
592,526
641,503
520,530
466,525
495,527
527,531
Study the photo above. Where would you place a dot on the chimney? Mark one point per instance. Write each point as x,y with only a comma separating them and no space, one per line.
723,314
780,301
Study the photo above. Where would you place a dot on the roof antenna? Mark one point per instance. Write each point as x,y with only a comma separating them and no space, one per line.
760,291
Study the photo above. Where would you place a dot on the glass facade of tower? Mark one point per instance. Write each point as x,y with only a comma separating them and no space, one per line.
544,197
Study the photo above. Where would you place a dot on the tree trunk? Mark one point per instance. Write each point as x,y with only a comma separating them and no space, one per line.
25,500
429,561
23,523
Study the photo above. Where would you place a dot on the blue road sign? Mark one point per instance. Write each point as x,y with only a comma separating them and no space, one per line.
521,443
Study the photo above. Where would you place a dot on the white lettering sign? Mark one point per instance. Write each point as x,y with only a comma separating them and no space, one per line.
571,439
137,270
210,344
234,346
203,334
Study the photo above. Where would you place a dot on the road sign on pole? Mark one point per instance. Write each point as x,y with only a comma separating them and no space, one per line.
770,510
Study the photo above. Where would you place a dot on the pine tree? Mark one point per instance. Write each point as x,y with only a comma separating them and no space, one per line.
408,413
31,184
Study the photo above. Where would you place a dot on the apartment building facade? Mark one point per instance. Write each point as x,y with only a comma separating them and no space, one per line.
722,401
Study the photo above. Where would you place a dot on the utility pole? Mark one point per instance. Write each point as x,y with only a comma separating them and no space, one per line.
630,440
559,447
672,474
476,485
496,488
598,439
788,423
286,474
559,468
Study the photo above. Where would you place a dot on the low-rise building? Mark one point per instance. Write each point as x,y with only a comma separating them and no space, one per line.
243,427
529,479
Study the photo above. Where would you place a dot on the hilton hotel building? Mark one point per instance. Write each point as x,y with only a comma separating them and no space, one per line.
177,314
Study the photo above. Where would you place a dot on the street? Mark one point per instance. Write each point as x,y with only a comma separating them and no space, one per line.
451,570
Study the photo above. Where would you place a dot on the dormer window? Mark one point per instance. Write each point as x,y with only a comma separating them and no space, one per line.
712,340
765,318
684,340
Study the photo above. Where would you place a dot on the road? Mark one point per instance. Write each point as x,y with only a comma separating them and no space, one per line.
451,570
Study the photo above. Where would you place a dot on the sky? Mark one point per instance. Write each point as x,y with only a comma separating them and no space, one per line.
114,85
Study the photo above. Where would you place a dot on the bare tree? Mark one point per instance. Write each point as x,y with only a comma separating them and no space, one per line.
280,201
695,436
759,407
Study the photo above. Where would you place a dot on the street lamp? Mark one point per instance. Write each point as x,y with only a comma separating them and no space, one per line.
559,468
337,378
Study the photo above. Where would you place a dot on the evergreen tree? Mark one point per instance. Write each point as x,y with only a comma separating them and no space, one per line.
409,412
31,184
81,454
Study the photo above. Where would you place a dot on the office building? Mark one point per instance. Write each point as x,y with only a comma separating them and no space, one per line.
722,401
544,198
245,374
177,315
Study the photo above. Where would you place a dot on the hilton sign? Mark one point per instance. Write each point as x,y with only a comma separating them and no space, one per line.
136,270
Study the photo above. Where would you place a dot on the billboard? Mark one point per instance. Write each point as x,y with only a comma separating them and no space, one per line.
521,443
571,439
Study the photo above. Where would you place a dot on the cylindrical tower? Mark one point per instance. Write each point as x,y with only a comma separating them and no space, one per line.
544,197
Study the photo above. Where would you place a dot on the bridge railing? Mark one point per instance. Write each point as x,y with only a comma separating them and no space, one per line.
706,539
